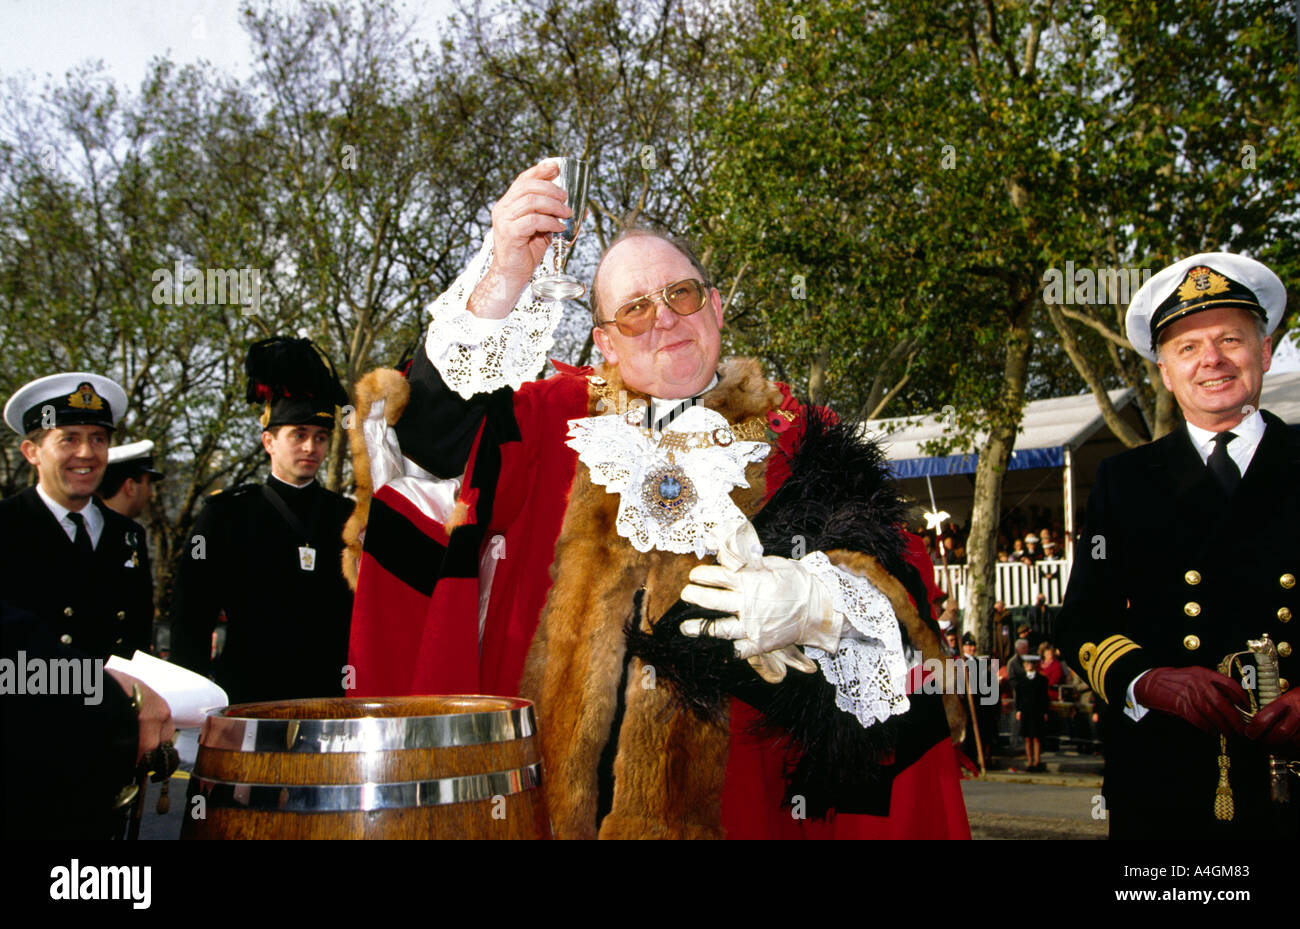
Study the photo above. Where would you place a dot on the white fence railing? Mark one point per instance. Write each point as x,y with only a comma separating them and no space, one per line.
1016,584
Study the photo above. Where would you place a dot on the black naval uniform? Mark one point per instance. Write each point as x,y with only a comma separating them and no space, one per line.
64,758
286,627
1188,575
102,609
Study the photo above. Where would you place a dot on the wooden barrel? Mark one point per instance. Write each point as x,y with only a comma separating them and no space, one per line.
358,768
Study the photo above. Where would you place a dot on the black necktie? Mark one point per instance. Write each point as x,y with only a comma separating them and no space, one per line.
682,406
1221,465
81,541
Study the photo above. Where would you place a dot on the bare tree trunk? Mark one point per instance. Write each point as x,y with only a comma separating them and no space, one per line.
1167,416
981,543
817,376
1123,431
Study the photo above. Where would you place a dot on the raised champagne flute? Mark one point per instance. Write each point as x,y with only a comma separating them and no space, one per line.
556,284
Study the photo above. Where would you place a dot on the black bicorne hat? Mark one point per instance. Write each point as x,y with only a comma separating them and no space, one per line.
295,380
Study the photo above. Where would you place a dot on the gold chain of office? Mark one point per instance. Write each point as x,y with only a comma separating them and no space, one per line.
753,429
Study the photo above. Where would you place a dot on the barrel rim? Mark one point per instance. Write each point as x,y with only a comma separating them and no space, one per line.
356,734
370,796
513,703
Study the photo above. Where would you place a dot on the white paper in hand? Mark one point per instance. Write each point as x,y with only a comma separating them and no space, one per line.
189,695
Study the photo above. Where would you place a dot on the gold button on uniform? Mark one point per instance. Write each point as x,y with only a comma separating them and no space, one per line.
65,639
67,611
1192,577
1284,649
1192,608
1283,685
1287,581
1284,614
1191,643
121,614
119,641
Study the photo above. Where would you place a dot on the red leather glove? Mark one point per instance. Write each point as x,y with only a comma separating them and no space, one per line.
1206,699
1278,724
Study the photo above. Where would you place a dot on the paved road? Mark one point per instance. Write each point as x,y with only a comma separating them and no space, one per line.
1004,810
1057,804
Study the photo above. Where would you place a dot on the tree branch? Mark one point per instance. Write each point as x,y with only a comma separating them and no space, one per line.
1123,431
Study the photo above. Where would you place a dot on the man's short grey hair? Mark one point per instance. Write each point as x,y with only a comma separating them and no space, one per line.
682,244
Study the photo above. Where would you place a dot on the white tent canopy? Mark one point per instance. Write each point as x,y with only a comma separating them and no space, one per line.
1281,395
1049,429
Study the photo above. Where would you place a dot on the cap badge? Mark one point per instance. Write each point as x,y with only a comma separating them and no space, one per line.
85,398
1202,282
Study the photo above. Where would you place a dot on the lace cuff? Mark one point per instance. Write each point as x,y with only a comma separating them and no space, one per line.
479,356
868,670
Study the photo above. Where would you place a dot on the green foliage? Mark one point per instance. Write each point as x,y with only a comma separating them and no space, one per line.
923,165
879,189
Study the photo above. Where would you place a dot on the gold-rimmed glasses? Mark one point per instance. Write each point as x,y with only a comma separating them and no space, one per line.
685,298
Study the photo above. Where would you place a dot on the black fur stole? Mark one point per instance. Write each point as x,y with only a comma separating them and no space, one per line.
838,495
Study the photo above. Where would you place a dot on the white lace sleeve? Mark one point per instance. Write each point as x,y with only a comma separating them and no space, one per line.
477,356
868,670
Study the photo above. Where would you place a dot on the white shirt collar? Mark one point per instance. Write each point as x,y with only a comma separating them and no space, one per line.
93,517
1248,434
659,407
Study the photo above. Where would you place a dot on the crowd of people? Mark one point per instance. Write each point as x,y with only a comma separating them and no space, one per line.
1018,541
1039,695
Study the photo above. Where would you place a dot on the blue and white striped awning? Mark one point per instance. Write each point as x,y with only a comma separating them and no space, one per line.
1049,427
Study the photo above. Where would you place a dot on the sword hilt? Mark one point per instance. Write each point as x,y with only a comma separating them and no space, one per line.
1268,689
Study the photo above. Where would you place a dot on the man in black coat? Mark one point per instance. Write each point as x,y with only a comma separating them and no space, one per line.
64,556
270,555
67,756
1150,621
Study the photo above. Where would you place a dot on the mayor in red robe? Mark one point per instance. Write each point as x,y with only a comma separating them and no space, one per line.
536,537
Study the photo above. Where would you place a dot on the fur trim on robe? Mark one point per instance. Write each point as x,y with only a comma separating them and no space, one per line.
381,384
669,767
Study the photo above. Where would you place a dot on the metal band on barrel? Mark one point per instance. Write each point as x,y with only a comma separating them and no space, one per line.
367,733
349,798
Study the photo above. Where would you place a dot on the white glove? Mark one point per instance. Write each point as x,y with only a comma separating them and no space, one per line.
771,666
741,548
778,604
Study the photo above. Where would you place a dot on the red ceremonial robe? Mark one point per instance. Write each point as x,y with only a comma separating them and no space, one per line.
415,625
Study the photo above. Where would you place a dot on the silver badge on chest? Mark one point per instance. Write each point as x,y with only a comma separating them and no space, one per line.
668,493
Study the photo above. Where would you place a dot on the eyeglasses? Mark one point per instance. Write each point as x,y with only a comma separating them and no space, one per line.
685,298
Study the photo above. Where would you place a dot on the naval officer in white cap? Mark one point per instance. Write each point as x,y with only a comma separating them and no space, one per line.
128,481
64,556
1150,623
